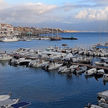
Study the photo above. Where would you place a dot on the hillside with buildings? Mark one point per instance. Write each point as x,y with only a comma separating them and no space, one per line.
10,30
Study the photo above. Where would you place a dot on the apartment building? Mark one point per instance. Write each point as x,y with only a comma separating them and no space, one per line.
6,30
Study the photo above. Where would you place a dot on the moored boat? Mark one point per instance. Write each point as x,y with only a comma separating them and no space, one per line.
105,77
6,102
55,38
9,39
100,72
5,57
91,72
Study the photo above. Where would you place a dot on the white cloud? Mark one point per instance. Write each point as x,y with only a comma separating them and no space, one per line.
26,13
93,14
3,4
39,8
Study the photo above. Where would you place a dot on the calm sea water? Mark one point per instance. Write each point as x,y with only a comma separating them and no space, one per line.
84,40
50,89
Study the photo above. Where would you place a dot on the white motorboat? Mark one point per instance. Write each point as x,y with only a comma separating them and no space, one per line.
6,102
5,57
105,77
103,99
54,66
74,66
91,72
62,68
9,39
4,97
37,64
20,61
99,63
81,69
100,72
65,70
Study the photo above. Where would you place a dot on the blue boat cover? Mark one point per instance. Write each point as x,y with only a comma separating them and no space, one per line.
21,104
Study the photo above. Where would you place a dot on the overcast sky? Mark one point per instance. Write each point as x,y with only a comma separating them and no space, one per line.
83,15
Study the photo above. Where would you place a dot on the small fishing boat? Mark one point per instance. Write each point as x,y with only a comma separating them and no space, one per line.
20,61
81,69
105,77
52,66
38,63
99,63
69,38
100,72
91,72
55,38
64,70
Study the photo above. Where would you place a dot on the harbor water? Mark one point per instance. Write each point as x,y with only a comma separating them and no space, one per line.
50,89
84,40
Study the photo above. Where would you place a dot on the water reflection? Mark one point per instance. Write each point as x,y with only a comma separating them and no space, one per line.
98,77
105,82
3,63
41,87
69,76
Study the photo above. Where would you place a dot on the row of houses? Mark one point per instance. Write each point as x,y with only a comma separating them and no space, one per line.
10,30
6,30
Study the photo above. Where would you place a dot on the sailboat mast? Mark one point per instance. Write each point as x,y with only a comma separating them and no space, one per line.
57,32
52,32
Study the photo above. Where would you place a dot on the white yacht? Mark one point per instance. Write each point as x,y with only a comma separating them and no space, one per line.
9,39
6,102
4,97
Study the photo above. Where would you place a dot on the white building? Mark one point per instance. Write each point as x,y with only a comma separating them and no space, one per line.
6,30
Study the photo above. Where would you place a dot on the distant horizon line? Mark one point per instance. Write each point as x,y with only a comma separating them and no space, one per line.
75,31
